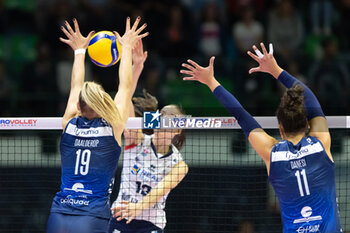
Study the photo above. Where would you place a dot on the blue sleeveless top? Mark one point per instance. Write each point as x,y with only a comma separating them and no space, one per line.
303,178
89,159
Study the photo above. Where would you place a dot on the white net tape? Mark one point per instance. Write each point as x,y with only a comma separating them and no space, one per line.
54,123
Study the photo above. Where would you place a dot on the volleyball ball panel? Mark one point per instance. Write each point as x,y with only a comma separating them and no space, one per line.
104,49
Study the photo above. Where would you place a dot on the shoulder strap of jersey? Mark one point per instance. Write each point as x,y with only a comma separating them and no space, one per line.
71,121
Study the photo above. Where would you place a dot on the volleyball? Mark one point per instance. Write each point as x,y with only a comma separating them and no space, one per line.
104,49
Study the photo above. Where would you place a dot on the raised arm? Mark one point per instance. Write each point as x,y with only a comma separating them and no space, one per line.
79,45
123,96
170,181
258,138
139,57
317,121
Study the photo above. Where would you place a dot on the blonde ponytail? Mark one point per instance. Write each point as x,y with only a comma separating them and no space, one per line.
93,95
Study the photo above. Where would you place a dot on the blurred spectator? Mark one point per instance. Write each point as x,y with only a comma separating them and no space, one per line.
196,7
39,83
235,7
294,69
211,34
247,32
40,74
2,17
153,74
178,39
155,12
285,29
330,78
246,226
62,10
342,29
321,16
41,19
63,76
4,91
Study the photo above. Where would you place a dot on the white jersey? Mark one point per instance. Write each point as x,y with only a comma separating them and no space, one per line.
143,168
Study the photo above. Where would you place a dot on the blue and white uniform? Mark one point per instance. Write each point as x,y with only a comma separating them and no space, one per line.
143,169
303,178
89,159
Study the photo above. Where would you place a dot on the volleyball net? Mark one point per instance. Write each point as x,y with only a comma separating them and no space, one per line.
226,189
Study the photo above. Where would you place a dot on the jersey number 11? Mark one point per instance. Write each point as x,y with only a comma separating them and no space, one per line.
306,184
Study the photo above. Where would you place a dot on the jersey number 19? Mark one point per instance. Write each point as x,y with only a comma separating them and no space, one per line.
82,162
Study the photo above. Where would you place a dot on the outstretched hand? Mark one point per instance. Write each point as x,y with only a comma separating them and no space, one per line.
75,39
138,55
201,74
131,35
267,62
126,210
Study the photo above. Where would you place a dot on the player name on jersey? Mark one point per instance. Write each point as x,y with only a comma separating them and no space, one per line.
86,143
298,163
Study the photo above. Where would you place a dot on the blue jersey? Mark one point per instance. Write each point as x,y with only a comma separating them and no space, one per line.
302,176
89,159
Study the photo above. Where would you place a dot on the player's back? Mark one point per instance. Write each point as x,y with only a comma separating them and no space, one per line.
304,181
89,158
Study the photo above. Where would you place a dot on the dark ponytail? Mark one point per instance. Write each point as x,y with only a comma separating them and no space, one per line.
291,113
145,103
179,140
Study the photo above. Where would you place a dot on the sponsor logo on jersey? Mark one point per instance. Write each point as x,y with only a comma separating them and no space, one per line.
86,132
147,175
71,201
89,132
151,120
306,212
78,187
304,151
135,169
144,173
309,229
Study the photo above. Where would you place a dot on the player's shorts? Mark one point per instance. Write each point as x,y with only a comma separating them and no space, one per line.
66,223
134,226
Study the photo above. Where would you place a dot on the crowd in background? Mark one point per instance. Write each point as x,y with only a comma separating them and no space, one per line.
310,38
